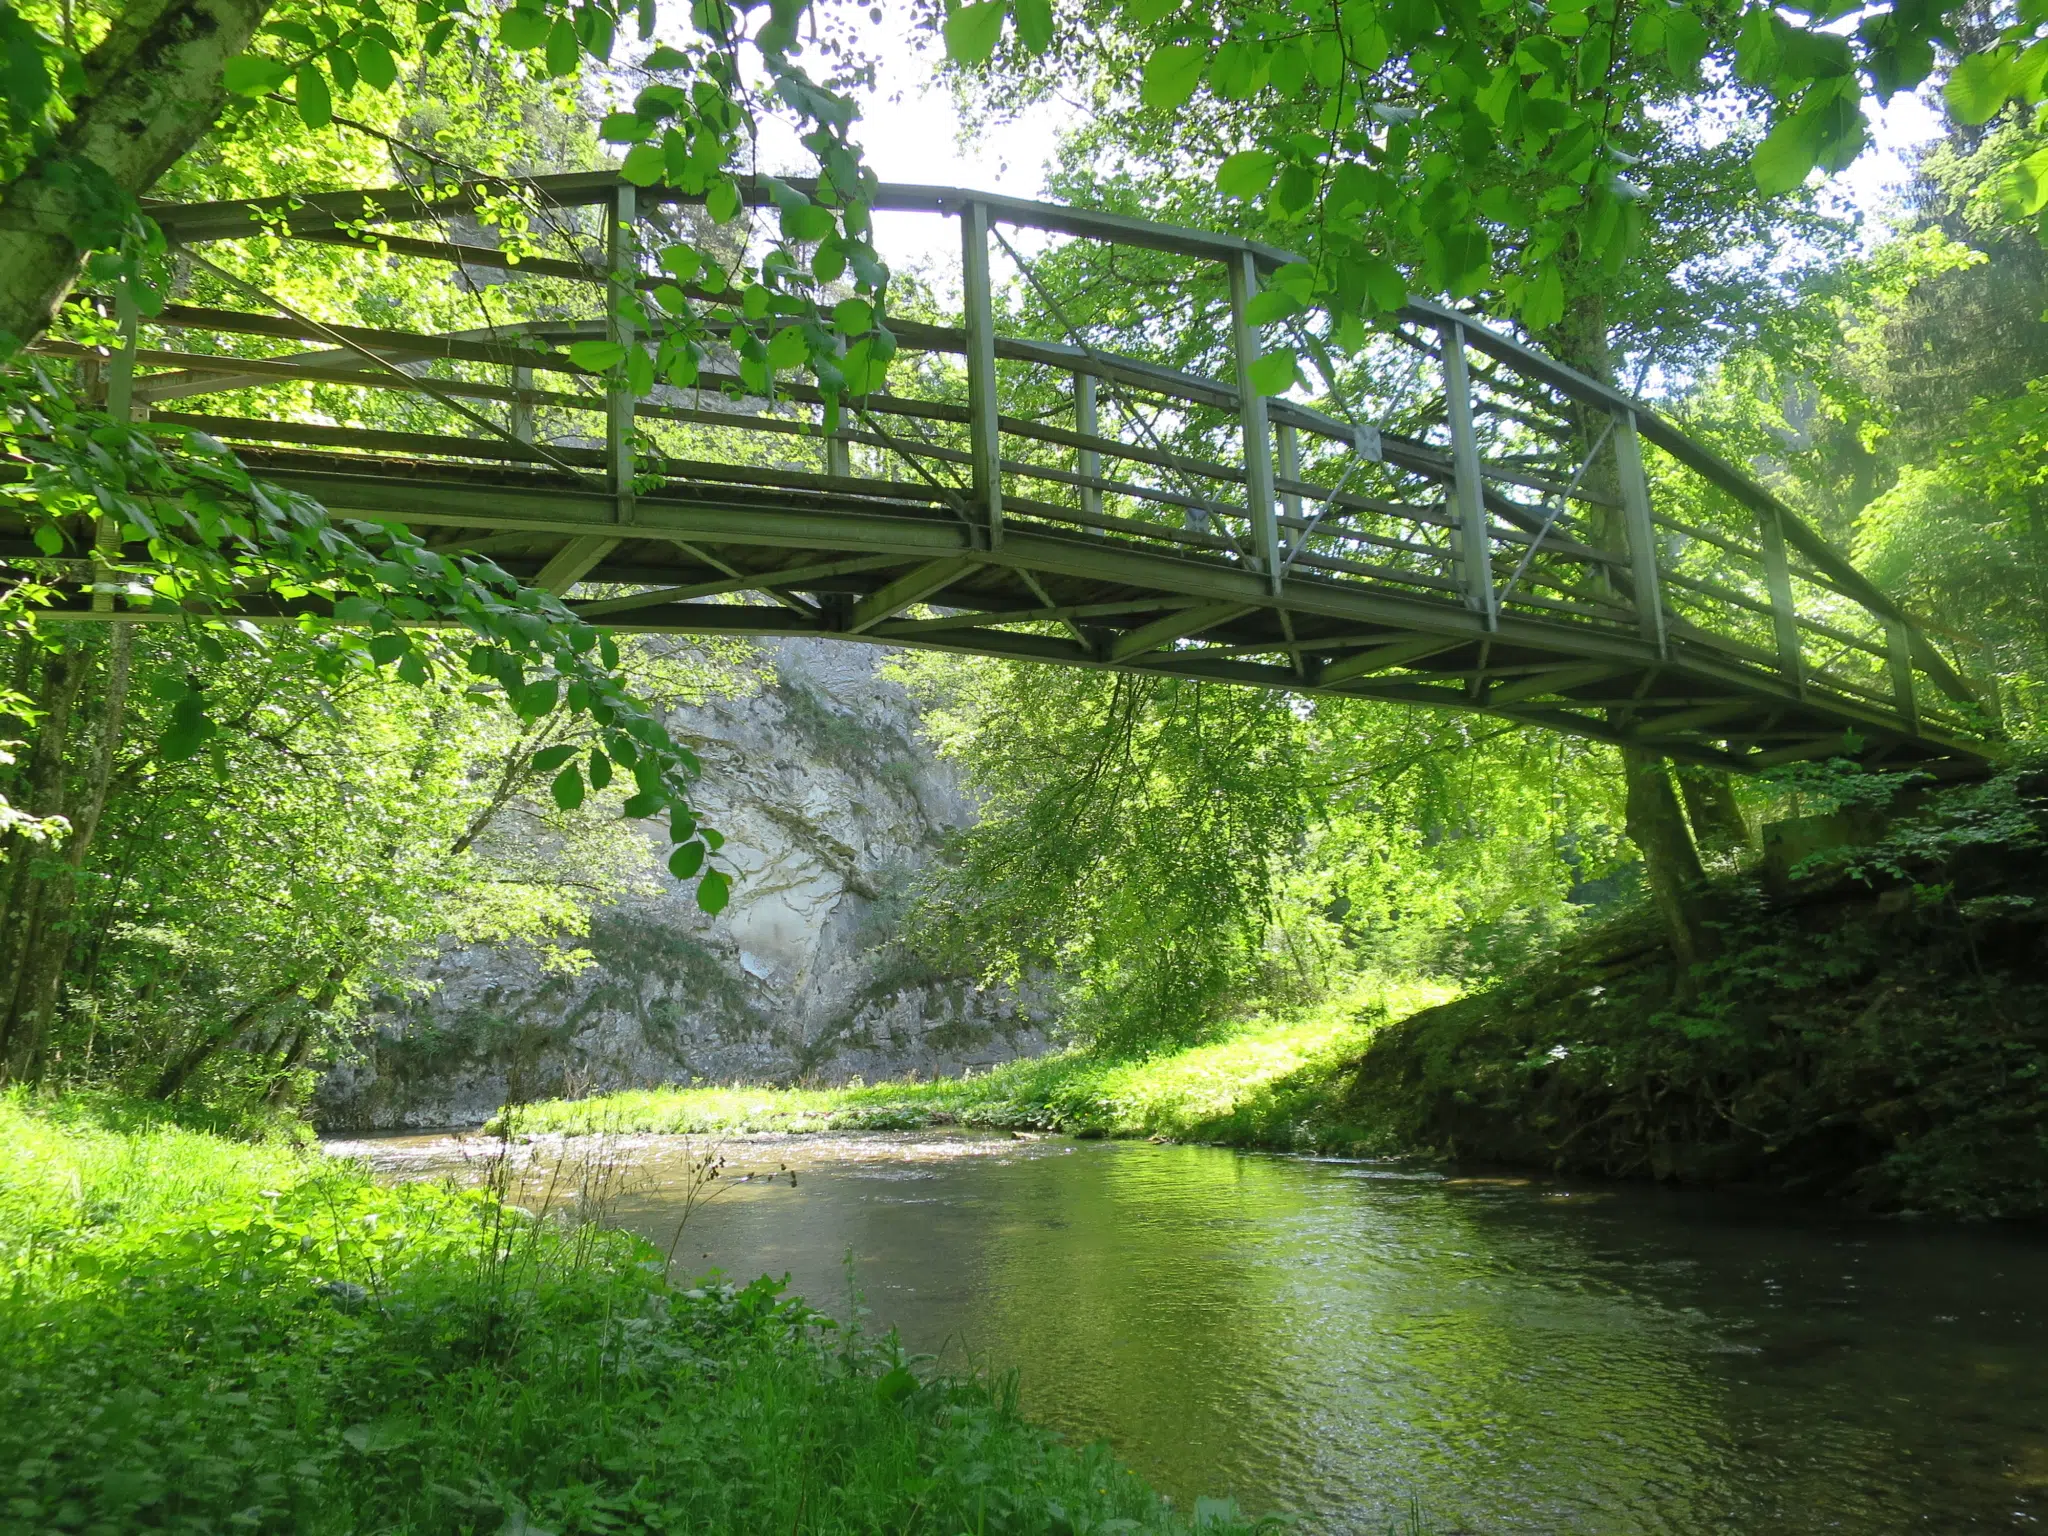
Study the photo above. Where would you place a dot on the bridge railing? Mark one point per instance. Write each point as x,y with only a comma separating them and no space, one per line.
1485,477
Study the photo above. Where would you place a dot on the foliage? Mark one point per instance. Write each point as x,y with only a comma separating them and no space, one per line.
1501,151
199,1334
1874,1033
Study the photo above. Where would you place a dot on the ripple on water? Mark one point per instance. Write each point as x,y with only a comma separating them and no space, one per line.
1333,1338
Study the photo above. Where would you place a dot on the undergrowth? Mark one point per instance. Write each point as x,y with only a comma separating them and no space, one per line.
204,1335
1875,1030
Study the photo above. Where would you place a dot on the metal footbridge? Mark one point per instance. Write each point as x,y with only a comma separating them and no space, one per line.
1457,522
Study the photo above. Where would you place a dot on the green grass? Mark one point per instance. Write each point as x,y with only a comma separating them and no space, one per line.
1269,1083
203,1335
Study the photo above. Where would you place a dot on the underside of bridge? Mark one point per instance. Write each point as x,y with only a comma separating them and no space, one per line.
1456,543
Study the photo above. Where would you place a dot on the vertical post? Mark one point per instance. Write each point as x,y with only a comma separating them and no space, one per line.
522,410
1088,424
620,259
1251,416
1290,469
838,457
1641,529
1468,484
1784,617
106,544
1898,635
983,408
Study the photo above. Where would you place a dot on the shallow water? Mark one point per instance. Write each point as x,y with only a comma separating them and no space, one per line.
1336,1339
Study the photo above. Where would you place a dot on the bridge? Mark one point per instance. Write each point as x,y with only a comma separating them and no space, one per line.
1458,522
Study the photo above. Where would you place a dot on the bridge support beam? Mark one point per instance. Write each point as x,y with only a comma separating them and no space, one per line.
1641,529
621,254
1251,416
985,445
1468,483
1784,616
1088,462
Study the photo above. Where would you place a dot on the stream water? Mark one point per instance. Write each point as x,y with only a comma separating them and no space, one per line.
1338,1339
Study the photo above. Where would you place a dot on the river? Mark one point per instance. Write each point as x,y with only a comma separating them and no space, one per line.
1345,1341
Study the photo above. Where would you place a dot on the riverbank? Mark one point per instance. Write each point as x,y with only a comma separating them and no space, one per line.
1274,1082
1874,1030
200,1333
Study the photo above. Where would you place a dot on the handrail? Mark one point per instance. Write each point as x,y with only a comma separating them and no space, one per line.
1234,477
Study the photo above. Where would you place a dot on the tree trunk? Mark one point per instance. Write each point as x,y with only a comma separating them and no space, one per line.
43,974
1717,822
152,89
1671,864
1655,823
30,870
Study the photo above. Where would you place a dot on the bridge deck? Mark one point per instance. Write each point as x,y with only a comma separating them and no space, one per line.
1017,490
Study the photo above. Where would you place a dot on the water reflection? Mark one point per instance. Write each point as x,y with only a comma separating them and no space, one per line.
1333,1339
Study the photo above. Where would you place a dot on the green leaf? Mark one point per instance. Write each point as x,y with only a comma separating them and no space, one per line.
49,539
1275,372
568,788
600,769
378,68
1171,75
644,165
597,356
851,317
686,859
665,57
1786,156
722,200
1246,174
973,31
387,648
316,104
1271,304
548,759
1034,24
523,28
1979,86
646,803
564,49
714,891
1685,43
624,128
251,75
1543,298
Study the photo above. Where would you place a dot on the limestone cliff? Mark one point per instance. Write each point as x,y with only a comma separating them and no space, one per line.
829,802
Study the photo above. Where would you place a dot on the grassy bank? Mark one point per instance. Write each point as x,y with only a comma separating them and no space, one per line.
198,1334
1273,1083
1874,1030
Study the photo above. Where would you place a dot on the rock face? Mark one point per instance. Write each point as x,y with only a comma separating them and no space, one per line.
829,802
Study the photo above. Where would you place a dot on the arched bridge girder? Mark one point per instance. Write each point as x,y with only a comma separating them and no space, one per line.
1015,490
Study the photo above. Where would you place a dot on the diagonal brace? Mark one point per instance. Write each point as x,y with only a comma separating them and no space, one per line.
912,586
1175,626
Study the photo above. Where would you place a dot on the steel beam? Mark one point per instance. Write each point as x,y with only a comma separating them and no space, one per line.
1252,422
984,406
1175,626
911,587
1474,540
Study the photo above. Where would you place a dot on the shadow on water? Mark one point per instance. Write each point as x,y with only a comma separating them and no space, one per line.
1334,1339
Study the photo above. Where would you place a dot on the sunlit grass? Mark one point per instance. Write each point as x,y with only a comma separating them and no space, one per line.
200,1334
1268,1082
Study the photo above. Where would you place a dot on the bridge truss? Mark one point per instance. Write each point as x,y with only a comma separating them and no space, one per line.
1018,490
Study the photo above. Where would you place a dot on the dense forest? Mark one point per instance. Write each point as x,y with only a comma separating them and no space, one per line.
224,842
